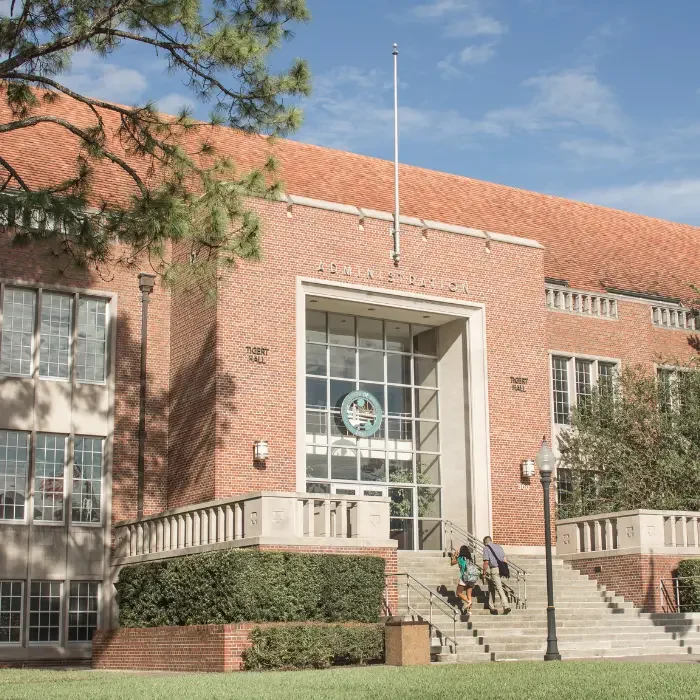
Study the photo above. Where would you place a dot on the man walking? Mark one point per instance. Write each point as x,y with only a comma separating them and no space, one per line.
493,555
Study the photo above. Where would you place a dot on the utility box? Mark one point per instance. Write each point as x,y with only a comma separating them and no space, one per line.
407,643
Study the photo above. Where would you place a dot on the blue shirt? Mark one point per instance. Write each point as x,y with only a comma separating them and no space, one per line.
489,554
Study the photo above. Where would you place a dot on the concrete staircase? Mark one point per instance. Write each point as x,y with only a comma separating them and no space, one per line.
592,622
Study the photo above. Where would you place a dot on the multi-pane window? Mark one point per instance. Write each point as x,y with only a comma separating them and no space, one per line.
573,380
398,364
560,388
11,612
48,478
14,461
17,331
45,611
55,331
87,480
82,610
92,339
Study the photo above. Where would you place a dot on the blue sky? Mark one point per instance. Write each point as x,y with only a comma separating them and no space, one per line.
590,99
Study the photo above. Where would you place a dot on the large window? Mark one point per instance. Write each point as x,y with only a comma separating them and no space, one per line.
55,317
14,462
11,612
45,611
397,364
82,610
48,478
92,339
87,480
17,331
55,332
573,379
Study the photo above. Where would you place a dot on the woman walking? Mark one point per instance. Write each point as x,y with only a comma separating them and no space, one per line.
468,576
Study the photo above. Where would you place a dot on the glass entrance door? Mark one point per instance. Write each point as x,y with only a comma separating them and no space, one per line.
394,367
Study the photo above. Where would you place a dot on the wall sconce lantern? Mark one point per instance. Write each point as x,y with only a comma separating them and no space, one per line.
261,450
527,467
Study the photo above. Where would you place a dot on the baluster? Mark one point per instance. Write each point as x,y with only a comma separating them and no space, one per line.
238,516
683,532
613,311
325,518
342,519
548,298
228,509
159,535
189,530
166,533
139,538
609,542
585,538
180,530
598,535
220,524
306,522
196,528
132,540
672,521
604,308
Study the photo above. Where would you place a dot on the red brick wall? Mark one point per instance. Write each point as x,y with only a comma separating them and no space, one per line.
257,306
198,648
636,577
192,426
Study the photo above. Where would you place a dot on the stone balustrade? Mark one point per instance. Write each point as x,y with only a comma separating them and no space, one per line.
675,318
578,302
264,518
629,532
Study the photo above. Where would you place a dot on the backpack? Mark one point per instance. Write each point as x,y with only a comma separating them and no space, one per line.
469,572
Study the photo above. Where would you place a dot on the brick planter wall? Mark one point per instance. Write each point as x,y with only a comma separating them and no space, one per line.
196,648
636,577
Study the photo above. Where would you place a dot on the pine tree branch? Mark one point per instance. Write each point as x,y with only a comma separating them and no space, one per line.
82,134
13,174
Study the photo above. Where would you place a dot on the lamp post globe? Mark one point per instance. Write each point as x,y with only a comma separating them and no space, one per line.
545,461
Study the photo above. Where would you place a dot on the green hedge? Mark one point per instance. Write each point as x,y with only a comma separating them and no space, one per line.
314,646
243,585
689,590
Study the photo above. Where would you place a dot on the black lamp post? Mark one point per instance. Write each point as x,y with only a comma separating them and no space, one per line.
545,462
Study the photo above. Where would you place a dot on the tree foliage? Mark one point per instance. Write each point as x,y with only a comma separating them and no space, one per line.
183,190
637,447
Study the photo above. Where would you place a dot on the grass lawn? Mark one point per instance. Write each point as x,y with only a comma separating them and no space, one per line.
521,681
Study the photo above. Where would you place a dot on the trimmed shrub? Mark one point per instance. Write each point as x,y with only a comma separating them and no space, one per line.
689,591
244,585
314,646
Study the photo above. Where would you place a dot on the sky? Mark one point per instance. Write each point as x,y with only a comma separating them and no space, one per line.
589,99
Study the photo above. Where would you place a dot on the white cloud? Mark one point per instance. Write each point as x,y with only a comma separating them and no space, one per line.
447,68
476,54
465,18
568,98
91,76
598,150
677,200
174,103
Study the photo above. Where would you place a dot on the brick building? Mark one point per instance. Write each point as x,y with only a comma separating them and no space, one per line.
504,306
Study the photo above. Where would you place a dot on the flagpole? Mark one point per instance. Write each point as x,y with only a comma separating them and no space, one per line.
396,254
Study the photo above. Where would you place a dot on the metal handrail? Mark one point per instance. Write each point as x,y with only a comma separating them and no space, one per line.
671,599
432,598
477,547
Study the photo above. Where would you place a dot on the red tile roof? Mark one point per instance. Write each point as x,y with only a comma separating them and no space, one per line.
590,246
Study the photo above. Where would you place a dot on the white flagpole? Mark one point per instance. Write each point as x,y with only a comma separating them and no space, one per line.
396,255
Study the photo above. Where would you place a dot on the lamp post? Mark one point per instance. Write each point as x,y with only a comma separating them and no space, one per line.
545,462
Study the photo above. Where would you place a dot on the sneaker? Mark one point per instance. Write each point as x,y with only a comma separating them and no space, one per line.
493,611
506,611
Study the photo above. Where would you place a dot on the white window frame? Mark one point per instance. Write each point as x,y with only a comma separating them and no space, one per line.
22,617
61,613
32,363
108,319
68,446
76,296
27,477
571,378
79,523
675,372
74,643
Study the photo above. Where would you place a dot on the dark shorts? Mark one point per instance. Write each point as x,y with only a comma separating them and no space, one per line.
466,584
